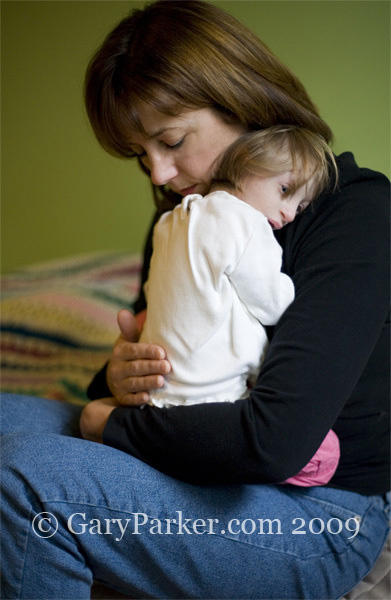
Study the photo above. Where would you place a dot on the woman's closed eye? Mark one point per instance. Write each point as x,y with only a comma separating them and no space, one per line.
141,153
138,151
173,146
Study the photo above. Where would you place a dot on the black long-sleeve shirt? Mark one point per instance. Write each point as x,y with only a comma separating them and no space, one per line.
327,365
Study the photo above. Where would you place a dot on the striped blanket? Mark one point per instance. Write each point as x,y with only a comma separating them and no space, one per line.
58,322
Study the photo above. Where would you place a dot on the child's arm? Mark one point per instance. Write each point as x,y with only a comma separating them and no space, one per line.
257,277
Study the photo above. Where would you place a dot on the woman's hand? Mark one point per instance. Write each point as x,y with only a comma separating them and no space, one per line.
134,368
94,418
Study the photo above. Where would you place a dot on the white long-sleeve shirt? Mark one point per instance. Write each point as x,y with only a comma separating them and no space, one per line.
214,282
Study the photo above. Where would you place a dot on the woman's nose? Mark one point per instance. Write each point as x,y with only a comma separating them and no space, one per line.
163,170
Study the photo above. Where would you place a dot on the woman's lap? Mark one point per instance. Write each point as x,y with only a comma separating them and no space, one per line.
29,413
170,539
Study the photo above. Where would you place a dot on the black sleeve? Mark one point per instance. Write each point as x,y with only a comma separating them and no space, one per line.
338,256
98,387
141,303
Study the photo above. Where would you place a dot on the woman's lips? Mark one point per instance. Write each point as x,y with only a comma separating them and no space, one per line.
188,190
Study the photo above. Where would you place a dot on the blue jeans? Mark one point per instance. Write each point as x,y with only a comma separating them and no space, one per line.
76,511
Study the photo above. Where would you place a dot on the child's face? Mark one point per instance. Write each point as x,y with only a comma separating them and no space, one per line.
270,195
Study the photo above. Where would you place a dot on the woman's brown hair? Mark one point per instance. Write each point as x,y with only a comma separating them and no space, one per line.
176,55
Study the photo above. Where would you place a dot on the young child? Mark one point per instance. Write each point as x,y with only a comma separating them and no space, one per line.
215,278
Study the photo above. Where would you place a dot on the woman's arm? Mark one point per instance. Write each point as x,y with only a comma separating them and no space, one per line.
337,254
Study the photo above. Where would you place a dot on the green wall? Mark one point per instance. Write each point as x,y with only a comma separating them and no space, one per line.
62,194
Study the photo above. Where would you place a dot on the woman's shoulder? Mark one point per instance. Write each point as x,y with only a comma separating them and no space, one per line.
352,218
360,193
350,173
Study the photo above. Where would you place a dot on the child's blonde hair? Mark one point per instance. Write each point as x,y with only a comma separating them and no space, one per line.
275,150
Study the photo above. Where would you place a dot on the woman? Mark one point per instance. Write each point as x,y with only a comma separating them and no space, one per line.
192,506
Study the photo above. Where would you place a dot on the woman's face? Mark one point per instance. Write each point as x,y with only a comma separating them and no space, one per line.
180,151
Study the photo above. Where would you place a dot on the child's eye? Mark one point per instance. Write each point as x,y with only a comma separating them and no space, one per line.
284,189
301,207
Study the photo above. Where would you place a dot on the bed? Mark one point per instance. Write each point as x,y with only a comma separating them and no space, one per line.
58,323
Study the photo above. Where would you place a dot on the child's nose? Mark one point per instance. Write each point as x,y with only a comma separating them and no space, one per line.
288,213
